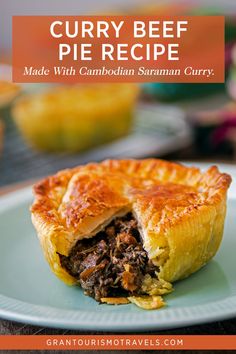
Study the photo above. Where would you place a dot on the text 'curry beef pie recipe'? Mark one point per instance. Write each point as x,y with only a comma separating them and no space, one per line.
125,230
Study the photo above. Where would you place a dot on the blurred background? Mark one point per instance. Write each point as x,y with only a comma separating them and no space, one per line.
44,128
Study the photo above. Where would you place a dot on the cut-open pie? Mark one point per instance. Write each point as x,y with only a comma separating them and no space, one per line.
126,229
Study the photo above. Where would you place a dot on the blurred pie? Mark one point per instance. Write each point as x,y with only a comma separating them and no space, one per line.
75,118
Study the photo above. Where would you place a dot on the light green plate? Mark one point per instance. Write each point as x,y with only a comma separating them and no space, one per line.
30,293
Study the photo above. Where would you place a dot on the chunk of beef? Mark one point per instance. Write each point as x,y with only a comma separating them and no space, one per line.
113,263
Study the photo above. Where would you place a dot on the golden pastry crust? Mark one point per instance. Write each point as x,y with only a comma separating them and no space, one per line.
97,115
180,210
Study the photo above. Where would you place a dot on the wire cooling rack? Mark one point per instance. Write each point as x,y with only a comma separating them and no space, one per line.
157,130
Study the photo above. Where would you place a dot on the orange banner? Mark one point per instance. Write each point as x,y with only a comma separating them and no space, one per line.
118,49
118,342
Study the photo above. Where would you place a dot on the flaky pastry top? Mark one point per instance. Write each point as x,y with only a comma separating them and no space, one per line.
77,203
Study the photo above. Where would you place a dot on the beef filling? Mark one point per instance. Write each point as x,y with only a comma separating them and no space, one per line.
113,263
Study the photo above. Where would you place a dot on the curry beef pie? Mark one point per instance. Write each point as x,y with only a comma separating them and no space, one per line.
125,230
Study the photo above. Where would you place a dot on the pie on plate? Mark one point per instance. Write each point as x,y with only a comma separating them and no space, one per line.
125,230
